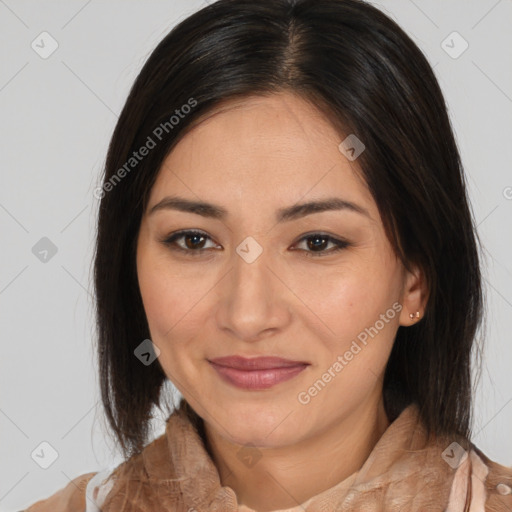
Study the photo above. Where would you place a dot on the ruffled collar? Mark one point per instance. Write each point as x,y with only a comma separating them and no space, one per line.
404,471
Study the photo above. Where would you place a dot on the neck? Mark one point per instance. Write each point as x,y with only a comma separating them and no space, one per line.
292,474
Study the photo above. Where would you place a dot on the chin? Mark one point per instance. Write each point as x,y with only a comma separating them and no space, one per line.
258,437
259,424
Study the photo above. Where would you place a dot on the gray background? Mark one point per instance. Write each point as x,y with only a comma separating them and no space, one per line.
57,115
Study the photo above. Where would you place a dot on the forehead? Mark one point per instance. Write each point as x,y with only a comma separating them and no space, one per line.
275,149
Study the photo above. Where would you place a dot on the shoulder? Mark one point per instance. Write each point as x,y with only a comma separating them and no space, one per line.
85,493
481,484
88,492
497,482
70,497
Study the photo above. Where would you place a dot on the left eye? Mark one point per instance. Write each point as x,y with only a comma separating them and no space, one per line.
318,242
194,243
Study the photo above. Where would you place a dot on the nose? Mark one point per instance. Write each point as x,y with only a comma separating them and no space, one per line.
253,301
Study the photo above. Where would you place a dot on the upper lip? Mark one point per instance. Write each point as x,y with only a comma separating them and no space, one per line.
255,363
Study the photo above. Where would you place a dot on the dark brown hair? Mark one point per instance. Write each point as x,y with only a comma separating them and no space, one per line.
368,77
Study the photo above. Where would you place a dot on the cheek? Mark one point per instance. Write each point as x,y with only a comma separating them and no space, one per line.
164,294
166,306
159,299
169,307
338,300
353,305
175,309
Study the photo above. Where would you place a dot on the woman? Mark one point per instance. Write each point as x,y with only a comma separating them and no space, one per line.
284,234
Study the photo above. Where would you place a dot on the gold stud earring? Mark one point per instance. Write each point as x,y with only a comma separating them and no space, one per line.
412,315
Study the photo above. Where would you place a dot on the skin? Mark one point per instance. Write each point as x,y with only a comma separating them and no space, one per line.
252,157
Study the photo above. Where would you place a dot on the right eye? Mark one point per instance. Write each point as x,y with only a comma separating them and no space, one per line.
193,242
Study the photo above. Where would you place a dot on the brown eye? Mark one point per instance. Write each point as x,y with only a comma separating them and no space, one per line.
191,241
194,241
316,244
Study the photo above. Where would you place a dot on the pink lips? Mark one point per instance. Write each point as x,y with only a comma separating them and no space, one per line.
258,372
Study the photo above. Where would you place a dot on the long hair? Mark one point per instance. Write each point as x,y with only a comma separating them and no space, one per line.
364,73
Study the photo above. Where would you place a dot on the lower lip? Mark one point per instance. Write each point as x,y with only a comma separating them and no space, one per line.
257,379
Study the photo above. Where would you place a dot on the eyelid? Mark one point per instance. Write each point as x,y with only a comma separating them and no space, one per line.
339,243
170,240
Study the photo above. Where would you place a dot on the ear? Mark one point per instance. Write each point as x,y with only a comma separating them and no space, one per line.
414,296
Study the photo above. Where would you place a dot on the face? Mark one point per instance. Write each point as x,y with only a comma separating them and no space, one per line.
321,288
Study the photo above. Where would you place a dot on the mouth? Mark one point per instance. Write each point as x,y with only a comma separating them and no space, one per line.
256,373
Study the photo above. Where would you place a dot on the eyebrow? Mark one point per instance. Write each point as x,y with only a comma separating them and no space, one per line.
289,213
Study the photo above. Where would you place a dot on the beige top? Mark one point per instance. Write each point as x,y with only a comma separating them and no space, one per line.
403,472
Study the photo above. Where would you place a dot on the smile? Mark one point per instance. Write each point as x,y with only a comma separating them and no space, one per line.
256,374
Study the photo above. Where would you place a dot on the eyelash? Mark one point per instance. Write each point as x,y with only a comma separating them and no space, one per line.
171,243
